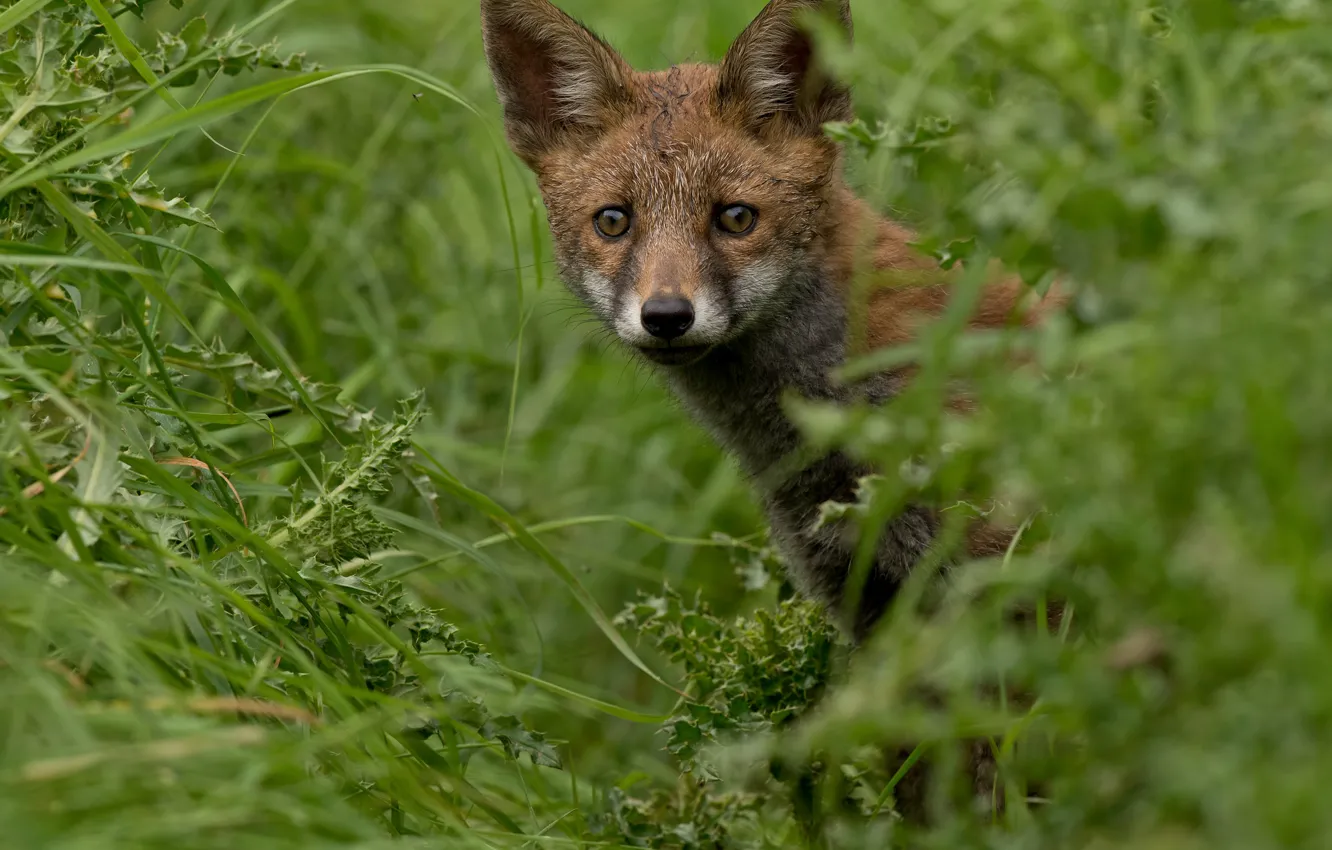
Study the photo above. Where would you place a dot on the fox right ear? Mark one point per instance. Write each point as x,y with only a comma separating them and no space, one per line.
554,77
771,72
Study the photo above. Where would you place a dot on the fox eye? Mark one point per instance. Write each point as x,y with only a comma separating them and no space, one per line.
612,222
737,219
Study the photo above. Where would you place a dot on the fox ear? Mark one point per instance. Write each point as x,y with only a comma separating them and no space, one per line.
770,70
554,77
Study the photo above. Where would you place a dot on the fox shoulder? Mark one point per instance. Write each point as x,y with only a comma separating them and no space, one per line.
893,288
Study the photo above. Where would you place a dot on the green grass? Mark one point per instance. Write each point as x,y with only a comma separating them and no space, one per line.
319,497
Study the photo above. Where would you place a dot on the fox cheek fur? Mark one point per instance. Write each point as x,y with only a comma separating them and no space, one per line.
739,311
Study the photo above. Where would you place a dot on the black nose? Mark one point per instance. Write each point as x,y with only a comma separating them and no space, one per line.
667,318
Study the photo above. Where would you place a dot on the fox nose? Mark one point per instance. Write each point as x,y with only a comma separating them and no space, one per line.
667,318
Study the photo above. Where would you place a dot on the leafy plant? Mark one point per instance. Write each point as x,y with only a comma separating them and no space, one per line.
742,678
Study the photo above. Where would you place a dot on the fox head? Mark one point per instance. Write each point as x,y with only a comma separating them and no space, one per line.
683,202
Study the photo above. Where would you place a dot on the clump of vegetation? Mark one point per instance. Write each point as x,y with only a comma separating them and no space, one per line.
258,588
741,679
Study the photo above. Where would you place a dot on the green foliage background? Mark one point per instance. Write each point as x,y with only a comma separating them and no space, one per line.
319,496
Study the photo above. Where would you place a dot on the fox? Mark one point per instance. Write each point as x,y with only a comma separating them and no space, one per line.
701,212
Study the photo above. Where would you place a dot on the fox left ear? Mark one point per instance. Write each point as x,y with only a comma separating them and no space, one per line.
770,72
555,78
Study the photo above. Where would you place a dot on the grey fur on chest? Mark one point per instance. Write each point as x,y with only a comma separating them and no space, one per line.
737,393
